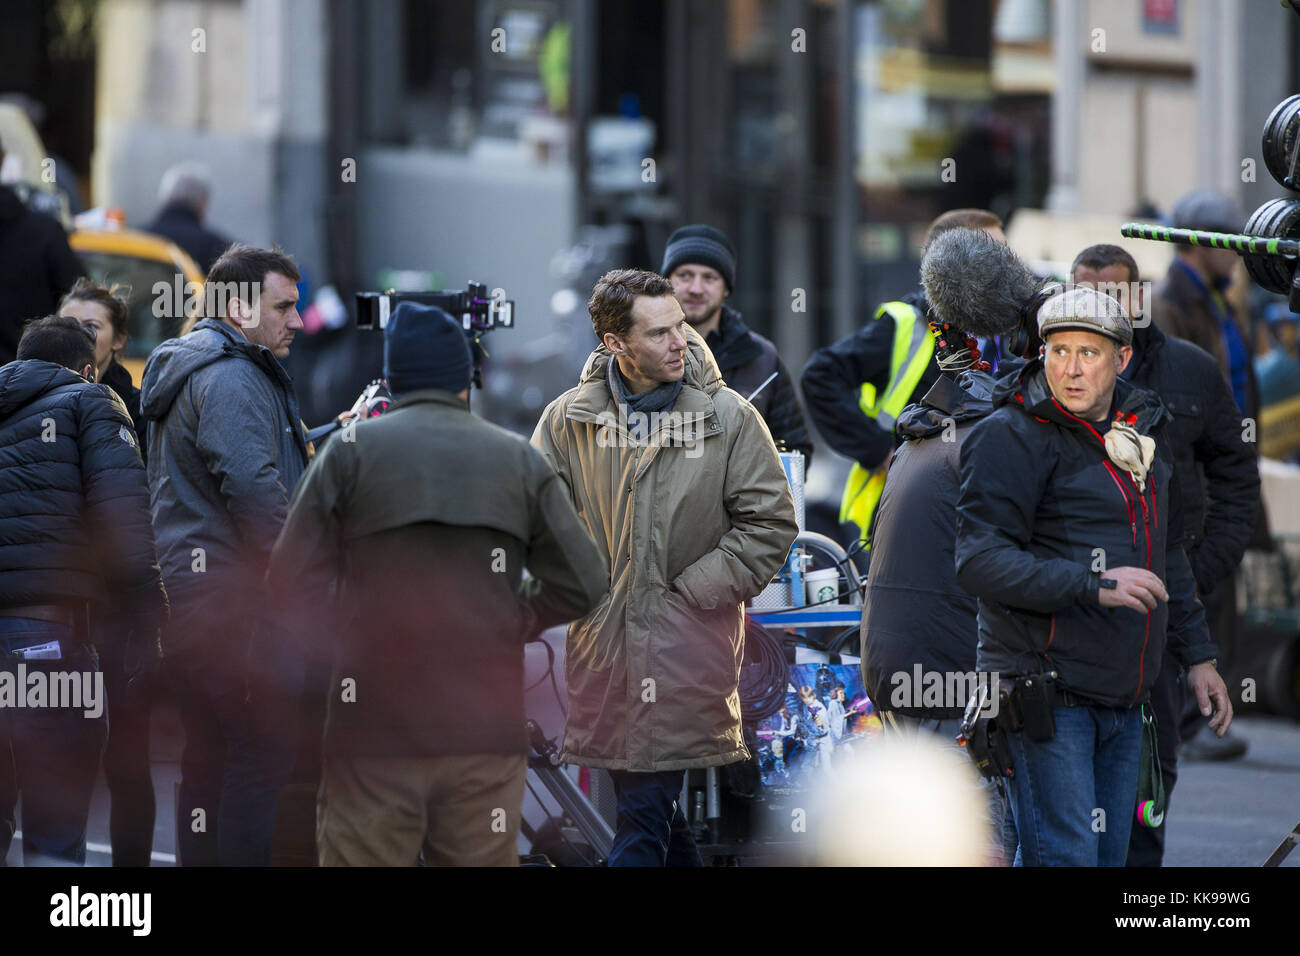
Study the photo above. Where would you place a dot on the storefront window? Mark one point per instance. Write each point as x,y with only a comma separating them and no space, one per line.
952,101
469,73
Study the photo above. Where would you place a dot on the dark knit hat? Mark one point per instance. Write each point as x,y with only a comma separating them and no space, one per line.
704,246
424,347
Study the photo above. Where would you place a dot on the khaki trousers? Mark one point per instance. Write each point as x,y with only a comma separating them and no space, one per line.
458,810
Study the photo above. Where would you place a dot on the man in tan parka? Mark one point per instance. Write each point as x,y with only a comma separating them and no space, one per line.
678,480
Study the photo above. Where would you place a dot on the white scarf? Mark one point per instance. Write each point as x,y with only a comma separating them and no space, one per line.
1131,451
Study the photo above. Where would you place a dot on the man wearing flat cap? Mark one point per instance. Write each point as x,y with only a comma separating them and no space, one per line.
1061,535
405,543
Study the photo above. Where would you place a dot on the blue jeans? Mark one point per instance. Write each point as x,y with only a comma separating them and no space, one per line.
651,828
1060,785
238,694
49,754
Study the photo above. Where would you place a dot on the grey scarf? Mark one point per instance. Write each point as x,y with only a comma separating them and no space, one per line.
656,400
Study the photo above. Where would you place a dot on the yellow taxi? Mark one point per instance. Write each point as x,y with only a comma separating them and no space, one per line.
164,286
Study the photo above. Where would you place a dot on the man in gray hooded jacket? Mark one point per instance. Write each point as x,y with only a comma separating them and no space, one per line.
226,448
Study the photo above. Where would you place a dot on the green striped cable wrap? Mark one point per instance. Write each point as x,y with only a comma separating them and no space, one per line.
1241,244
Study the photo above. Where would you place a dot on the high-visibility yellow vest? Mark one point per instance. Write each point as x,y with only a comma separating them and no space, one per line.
913,348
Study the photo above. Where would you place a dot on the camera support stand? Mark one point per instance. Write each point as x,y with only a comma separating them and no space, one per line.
544,764
1284,848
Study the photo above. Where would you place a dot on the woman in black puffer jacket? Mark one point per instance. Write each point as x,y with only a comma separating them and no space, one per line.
126,759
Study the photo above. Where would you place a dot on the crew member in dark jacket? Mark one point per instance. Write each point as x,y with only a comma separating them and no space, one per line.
1218,494
1191,304
1073,594
700,262
36,267
127,771
857,387
226,449
919,625
74,537
183,202
917,621
423,520
913,609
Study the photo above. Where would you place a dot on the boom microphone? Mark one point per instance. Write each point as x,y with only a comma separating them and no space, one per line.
975,283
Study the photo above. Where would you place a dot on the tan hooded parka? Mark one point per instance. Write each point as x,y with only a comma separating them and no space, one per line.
693,521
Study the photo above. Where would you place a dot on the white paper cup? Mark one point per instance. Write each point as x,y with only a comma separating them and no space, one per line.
822,586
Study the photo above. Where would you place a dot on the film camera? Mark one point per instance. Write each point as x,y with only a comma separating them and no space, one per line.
478,310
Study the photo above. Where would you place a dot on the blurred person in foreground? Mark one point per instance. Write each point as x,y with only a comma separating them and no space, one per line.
77,543
681,486
927,813
422,521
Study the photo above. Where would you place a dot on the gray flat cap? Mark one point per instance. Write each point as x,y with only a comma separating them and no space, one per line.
1085,310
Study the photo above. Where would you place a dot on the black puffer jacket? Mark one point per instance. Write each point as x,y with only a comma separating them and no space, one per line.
1040,503
1218,473
747,360
832,387
118,379
914,611
74,502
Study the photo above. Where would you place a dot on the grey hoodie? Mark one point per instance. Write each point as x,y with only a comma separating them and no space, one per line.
226,448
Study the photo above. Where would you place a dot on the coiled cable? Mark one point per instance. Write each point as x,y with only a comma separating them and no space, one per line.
764,674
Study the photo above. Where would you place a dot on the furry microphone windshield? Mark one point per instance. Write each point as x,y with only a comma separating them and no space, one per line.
975,283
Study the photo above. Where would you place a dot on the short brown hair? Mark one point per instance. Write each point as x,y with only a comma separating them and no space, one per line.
961,219
612,299
242,266
1103,256
113,299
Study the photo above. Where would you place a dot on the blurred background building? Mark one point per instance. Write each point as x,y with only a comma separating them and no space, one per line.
531,144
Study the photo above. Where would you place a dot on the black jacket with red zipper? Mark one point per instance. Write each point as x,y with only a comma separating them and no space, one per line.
1041,505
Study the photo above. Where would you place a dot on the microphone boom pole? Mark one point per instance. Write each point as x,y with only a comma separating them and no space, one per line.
1239,243
1271,260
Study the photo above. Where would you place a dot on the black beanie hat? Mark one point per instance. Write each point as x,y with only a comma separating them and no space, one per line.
424,347
703,245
